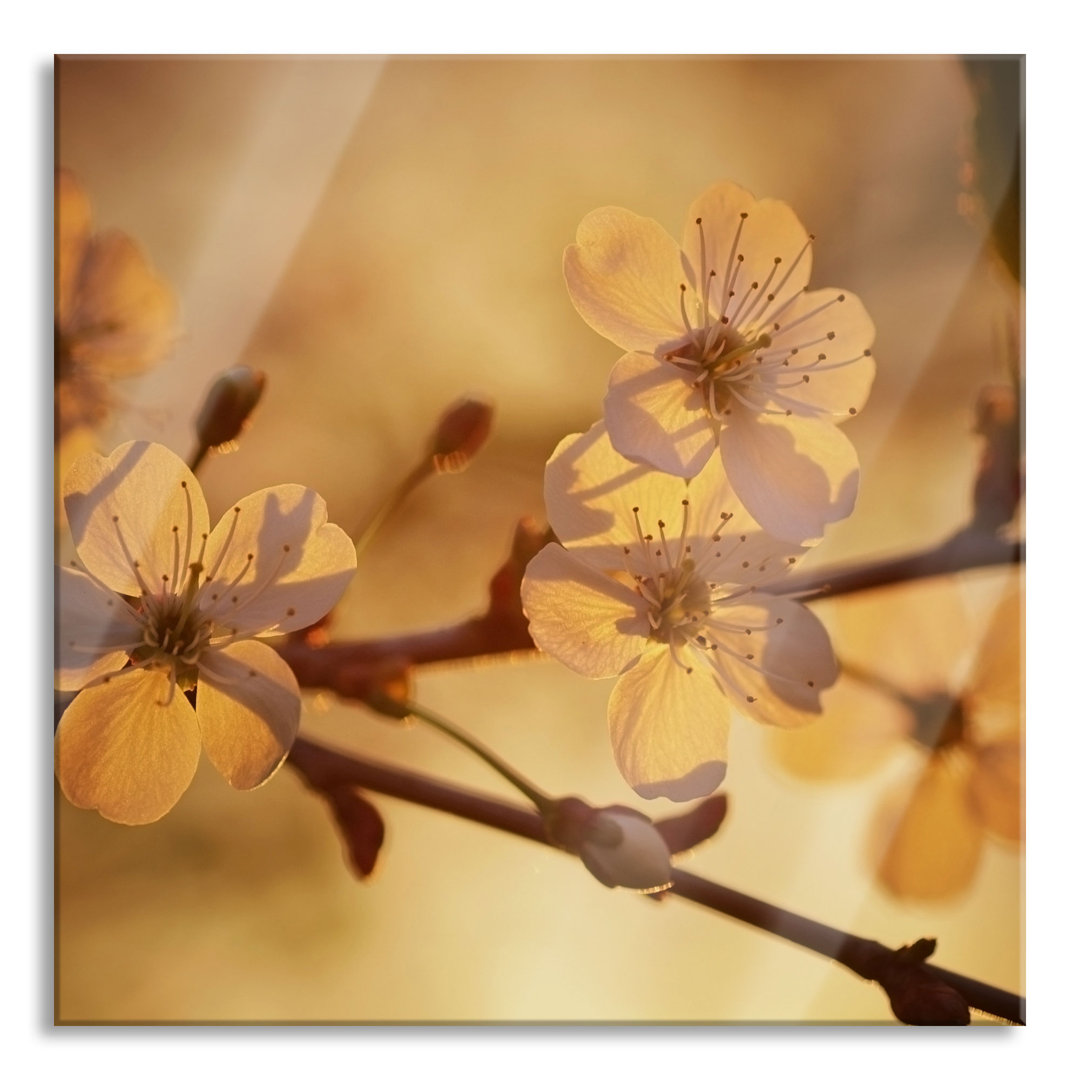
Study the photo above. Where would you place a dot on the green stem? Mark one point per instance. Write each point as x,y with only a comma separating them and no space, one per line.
421,471
542,802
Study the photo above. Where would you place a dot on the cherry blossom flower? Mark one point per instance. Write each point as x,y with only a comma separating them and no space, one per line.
913,687
726,347
657,582
114,317
166,604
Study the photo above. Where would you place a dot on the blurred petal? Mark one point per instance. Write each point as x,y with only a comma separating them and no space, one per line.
273,563
795,476
770,231
995,700
121,750
72,235
248,706
121,317
141,504
776,675
997,786
654,415
859,730
669,728
624,277
927,840
593,624
96,631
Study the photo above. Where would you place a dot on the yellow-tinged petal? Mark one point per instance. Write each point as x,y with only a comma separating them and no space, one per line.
126,749
769,231
928,839
624,276
140,504
997,786
72,235
859,730
669,727
995,699
96,630
274,564
654,415
591,490
794,475
121,318
592,623
248,704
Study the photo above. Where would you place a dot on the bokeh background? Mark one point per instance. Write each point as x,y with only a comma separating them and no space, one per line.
382,236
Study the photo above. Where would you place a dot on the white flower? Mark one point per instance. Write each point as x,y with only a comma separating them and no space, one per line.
129,743
623,848
727,347
657,583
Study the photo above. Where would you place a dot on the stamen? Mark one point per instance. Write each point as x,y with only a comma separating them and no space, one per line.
729,281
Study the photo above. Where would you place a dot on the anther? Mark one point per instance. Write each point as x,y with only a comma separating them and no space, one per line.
751,698
290,612
852,411
831,335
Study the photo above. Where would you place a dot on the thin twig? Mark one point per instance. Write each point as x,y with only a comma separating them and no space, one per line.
324,769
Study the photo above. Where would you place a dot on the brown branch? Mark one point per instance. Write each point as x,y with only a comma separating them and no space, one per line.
355,669
918,992
968,549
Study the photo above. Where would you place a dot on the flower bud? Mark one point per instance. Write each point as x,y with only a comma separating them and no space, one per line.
228,405
463,429
622,847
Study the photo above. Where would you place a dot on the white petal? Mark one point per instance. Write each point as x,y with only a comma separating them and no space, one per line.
654,415
248,704
811,384
95,632
777,672
159,511
794,475
770,230
590,491
623,275
274,564
669,728
594,625
127,750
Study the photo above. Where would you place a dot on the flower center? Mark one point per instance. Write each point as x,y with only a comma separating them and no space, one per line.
747,345
175,631
684,608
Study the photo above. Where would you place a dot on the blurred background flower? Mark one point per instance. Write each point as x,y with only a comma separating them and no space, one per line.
926,680
380,237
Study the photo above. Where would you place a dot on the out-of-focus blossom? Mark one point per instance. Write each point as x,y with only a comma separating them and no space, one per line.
166,604
657,582
113,316
912,684
725,346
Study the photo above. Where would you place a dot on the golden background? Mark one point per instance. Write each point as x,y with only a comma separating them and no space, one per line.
381,236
